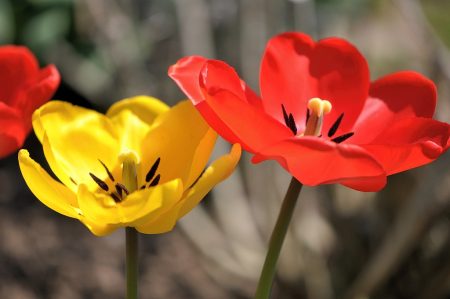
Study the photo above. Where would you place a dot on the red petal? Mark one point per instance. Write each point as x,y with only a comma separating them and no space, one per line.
186,73
314,161
410,143
17,65
25,86
12,131
295,69
253,128
40,91
371,184
228,105
393,98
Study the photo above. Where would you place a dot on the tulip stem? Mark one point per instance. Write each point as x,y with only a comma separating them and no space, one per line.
129,177
132,261
277,239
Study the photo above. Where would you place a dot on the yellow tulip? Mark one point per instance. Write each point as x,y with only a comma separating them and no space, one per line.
87,152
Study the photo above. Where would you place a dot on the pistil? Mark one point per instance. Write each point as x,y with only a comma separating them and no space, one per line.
129,172
317,108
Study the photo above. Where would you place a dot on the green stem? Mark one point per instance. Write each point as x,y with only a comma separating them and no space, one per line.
129,178
132,261
276,240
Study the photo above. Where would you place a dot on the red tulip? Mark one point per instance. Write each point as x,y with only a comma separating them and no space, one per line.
363,131
24,87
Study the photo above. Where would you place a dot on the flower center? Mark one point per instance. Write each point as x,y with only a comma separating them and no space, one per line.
119,191
316,109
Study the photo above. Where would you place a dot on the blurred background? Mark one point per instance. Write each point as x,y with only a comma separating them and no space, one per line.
342,243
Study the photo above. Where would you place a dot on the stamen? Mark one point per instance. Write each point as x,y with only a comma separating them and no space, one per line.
121,188
151,173
99,182
307,116
73,181
289,120
116,199
285,115
107,171
342,138
155,181
335,126
292,124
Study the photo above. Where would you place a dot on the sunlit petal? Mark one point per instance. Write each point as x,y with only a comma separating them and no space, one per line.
175,138
98,228
102,208
50,192
214,174
78,138
132,118
162,224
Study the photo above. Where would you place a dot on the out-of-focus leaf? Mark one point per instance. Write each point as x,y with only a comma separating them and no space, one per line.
6,22
344,5
49,2
437,12
46,28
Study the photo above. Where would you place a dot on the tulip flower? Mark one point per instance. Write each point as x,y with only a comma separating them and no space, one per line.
25,87
319,115
88,152
141,166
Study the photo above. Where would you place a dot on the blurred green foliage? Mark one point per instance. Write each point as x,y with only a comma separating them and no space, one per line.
438,12
6,22
35,23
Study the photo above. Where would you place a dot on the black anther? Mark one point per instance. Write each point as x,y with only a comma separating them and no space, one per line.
285,115
342,138
292,124
99,182
335,126
121,188
289,120
107,171
155,181
151,173
116,199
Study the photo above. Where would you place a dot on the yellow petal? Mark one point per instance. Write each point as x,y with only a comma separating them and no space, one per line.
101,208
175,137
98,206
136,205
133,118
78,139
144,107
98,229
166,217
50,192
201,156
164,223
55,166
214,174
